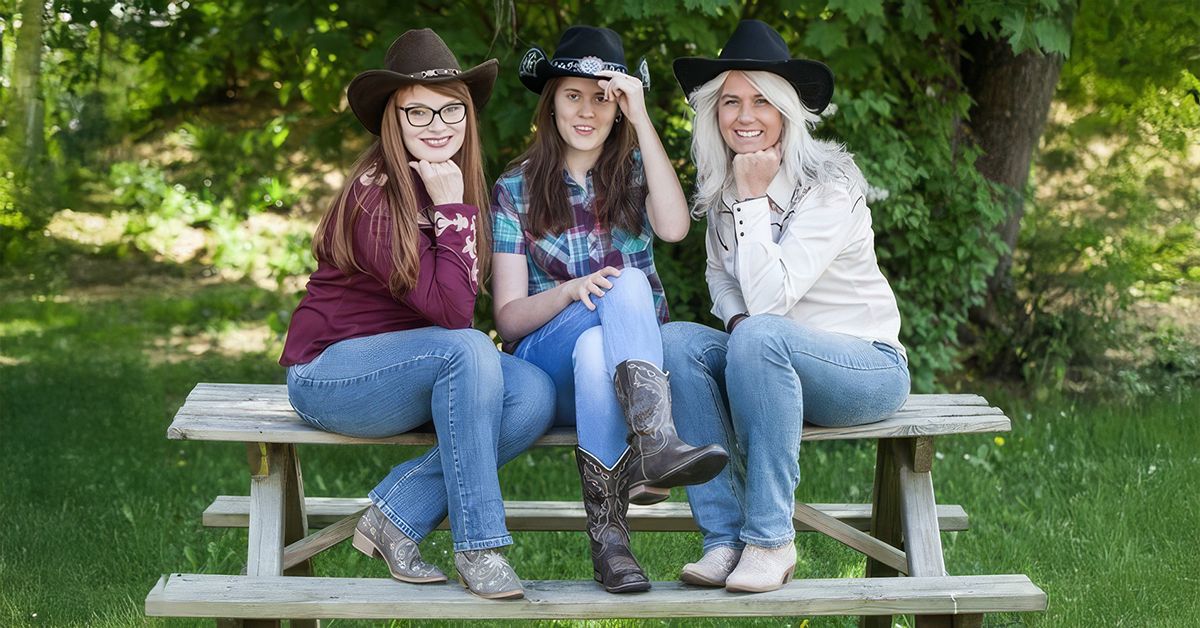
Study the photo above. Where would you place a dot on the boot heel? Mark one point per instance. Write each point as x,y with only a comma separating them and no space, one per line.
645,495
364,545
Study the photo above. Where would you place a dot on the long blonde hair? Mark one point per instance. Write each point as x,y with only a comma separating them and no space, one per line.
806,159
334,238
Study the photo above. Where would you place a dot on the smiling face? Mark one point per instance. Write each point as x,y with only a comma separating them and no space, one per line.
438,141
582,115
748,122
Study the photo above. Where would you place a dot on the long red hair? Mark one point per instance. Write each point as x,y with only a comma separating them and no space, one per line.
334,238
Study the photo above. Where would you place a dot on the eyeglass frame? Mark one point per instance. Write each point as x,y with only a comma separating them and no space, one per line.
437,113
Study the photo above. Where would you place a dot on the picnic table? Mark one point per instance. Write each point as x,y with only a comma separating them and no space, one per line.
898,532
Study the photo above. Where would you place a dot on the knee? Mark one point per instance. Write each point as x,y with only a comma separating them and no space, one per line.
757,335
631,283
589,348
690,345
474,346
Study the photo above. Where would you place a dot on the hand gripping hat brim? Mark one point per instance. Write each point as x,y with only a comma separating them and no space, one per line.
418,57
582,51
756,46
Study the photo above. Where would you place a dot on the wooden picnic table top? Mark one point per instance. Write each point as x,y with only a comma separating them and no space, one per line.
261,413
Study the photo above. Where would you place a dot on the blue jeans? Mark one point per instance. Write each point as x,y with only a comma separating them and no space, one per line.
751,393
486,408
580,349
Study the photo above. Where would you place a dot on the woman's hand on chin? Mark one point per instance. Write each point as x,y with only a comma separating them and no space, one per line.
753,172
443,180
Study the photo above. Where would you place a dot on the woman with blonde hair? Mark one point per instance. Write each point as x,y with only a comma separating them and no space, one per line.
381,342
812,327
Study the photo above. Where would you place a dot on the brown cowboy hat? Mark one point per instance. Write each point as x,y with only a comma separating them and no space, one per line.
418,57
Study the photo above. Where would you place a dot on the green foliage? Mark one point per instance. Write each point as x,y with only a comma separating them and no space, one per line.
1117,221
251,94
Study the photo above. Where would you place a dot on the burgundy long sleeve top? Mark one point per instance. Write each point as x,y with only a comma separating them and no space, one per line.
337,306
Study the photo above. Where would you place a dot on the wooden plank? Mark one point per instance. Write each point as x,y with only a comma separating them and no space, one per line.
314,544
230,511
286,427
885,521
922,543
922,454
295,527
203,595
265,556
850,537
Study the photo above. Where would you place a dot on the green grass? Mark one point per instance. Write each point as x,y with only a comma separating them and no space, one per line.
1094,499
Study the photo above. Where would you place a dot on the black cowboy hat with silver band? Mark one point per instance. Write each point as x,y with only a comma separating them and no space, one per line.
417,57
582,51
754,45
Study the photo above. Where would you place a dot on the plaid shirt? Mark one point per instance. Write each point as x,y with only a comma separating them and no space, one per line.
581,250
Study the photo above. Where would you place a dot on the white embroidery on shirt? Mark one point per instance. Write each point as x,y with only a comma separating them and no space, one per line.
441,222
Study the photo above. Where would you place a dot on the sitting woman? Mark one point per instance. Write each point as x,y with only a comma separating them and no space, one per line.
576,288
813,325
382,343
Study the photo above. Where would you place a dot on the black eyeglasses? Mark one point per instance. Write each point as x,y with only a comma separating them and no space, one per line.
420,115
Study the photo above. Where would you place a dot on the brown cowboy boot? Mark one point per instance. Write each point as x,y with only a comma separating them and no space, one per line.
606,501
661,459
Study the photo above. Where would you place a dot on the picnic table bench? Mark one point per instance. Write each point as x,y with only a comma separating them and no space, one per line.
898,532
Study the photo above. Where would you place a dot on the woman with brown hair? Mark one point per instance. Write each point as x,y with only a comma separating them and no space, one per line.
382,343
576,290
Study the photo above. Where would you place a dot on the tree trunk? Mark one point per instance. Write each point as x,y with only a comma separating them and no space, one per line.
1011,96
27,118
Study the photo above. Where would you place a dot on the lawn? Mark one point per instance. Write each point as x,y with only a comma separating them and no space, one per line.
1093,497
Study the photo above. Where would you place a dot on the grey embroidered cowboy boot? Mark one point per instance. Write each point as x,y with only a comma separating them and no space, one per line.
605,499
377,536
661,459
486,573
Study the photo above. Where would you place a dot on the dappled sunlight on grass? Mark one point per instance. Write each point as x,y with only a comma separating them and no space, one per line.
230,340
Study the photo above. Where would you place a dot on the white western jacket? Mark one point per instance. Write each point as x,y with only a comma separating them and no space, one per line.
813,261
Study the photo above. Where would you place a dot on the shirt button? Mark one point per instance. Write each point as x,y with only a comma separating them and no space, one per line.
743,234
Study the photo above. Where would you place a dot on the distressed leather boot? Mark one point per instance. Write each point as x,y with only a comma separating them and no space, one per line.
660,458
605,499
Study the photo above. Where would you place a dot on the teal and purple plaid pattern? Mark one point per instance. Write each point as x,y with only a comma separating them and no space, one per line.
581,250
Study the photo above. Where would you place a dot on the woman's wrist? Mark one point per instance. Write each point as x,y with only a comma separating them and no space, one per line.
735,320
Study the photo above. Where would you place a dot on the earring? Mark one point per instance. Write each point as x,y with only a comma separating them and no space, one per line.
551,113
619,118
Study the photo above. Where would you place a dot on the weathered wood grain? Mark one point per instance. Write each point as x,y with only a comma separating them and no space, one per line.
265,555
198,595
885,521
850,537
230,511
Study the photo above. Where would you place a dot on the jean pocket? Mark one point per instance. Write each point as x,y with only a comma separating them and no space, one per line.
889,351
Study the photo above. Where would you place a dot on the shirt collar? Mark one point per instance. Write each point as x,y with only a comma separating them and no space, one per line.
780,192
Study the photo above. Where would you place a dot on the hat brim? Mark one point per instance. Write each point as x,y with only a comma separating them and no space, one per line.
813,80
534,78
369,92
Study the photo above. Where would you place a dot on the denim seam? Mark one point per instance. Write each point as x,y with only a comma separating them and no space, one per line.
769,543
395,518
427,458
737,545
499,541
726,421
367,376
845,366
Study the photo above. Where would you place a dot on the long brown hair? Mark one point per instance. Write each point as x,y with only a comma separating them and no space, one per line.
619,203
334,238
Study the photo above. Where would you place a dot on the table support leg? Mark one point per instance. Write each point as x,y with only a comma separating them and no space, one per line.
885,521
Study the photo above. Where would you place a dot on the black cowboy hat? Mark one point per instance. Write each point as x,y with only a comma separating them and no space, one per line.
418,57
582,51
756,46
